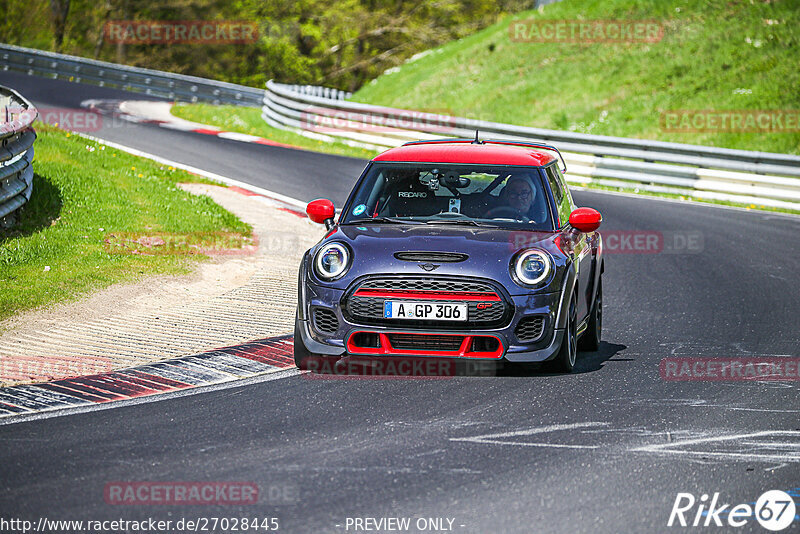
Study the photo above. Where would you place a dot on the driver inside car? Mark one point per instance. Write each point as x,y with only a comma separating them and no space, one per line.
517,196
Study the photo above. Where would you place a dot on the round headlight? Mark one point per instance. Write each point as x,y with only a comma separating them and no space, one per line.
332,261
532,267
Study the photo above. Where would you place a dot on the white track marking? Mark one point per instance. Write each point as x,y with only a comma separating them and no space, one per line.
295,203
673,448
236,136
499,438
277,374
696,403
179,127
776,467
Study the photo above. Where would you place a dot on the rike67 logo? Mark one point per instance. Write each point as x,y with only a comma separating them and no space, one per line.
775,510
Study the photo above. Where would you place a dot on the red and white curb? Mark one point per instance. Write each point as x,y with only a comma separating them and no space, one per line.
284,202
220,366
157,113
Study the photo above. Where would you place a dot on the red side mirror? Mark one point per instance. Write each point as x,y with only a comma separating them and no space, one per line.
321,211
585,219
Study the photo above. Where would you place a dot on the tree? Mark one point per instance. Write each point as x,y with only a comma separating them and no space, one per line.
59,10
343,44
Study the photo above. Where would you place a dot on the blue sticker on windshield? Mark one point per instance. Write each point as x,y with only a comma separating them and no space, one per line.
358,210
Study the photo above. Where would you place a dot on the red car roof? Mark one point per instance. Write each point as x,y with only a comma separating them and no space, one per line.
488,153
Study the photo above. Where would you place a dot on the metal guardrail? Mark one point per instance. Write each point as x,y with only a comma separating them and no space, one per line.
16,154
178,87
749,177
761,178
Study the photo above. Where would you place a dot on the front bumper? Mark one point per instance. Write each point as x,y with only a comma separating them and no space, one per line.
337,343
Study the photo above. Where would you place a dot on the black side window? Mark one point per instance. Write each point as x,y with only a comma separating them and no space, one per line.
555,186
564,187
560,193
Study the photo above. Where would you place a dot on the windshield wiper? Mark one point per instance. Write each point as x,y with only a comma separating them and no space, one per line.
469,222
391,220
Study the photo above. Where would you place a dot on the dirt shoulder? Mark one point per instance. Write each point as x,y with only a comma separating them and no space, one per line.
233,298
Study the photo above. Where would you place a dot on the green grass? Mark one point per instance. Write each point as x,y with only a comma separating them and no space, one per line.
737,54
248,121
83,194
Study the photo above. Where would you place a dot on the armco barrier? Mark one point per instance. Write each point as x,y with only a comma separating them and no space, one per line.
760,178
178,87
16,154
744,176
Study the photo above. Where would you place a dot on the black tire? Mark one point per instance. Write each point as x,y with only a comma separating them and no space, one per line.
590,340
567,355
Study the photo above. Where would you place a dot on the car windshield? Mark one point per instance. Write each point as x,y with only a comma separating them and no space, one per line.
426,193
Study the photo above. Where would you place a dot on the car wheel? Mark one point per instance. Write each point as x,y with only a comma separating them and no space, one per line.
591,337
564,361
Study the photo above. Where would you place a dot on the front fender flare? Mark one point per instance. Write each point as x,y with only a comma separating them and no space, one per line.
567,288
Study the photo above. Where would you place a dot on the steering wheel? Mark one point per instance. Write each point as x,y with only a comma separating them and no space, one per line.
506,212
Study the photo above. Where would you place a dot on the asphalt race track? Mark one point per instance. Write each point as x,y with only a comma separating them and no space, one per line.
298,174
606,449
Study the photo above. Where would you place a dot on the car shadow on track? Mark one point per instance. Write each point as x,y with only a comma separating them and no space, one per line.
430,367
587,362
594,361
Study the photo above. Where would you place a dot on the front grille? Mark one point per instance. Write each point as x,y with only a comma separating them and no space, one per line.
425,342
426,284
368,309
530,328
325,321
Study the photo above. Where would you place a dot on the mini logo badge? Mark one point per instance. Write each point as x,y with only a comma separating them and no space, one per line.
428,266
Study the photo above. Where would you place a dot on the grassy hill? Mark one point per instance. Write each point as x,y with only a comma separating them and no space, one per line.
714,55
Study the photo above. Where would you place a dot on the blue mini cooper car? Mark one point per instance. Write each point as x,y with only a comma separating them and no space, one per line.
455,249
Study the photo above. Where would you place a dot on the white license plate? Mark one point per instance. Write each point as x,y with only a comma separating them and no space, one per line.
393,309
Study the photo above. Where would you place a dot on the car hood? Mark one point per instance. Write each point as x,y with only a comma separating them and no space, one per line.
489,250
